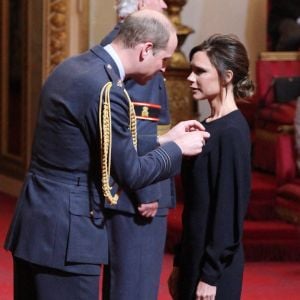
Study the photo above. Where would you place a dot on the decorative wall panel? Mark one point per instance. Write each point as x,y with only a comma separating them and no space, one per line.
57,33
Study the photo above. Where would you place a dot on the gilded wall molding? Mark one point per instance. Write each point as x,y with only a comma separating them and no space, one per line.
56,37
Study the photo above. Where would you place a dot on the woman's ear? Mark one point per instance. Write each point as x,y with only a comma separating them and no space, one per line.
228,77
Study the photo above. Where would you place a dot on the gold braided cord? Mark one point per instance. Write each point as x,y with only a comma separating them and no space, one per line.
132,120
105,129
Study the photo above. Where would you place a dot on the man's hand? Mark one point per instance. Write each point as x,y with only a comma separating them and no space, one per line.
148,210
189,135
205,291
191,143
180,129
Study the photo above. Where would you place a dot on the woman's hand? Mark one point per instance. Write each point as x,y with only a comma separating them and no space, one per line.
205,291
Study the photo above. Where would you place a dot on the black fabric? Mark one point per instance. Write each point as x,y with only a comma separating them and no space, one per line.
216,192
286,88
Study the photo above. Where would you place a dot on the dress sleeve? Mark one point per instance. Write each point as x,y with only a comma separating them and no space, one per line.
230,200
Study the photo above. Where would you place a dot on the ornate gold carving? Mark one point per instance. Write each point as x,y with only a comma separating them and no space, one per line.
174,8
180,103
57,35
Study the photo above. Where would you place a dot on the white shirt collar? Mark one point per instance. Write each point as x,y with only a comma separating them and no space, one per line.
111,51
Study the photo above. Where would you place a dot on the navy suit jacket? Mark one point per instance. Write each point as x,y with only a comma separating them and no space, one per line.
153,92
53,225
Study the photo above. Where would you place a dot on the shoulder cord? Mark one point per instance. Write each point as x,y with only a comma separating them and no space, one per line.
106,138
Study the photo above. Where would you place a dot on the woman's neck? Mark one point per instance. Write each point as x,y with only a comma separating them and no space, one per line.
221,107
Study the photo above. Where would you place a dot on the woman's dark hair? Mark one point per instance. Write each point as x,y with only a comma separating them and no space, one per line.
226,52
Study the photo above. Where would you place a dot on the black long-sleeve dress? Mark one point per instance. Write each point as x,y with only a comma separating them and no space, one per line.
217,187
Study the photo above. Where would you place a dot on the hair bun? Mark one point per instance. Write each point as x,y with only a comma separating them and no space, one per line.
244,88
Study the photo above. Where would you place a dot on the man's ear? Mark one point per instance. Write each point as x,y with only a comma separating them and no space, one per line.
146,50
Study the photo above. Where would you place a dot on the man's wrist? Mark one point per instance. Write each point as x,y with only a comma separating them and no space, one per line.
157,140
161,139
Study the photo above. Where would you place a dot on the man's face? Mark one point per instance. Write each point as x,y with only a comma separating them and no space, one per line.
154,63
158,5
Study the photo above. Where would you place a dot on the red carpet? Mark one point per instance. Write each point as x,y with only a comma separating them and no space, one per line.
6,210
262,280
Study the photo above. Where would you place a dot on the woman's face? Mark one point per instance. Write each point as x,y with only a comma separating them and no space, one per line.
204,79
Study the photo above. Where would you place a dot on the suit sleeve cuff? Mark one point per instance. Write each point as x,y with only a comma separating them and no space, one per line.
172,157
148,194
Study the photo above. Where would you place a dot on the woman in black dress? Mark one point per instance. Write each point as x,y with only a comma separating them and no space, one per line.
209,263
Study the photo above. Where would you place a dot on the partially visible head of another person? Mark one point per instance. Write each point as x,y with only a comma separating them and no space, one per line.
228,58
126,7
150,38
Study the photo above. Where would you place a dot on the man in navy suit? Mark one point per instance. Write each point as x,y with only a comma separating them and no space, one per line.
139,219
85,132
